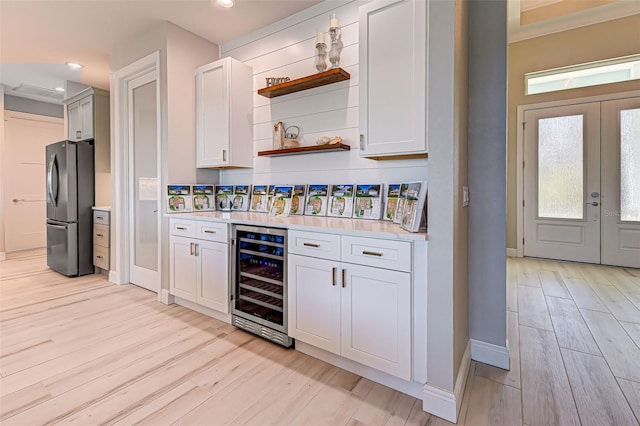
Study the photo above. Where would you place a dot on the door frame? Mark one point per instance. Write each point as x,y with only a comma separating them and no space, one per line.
521,109
120,205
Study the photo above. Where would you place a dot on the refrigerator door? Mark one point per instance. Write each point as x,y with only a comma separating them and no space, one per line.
62,247
62,181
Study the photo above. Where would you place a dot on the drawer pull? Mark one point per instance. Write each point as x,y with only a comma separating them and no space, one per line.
335,275
372,253
99,257
181,228
100,217
344,278
311,245
209,231
100,235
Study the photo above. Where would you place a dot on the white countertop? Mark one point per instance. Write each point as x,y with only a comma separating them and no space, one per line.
329,225
102,208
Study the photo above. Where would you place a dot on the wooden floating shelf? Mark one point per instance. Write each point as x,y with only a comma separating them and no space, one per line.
316,80
305,150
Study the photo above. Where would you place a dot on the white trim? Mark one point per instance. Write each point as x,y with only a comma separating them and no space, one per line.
119,155
570,21
304,15
511,252
3,256
443,403
521,109
198,308
414,389
491,354
166,297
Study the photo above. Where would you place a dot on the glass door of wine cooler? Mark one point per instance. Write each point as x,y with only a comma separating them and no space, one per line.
259,292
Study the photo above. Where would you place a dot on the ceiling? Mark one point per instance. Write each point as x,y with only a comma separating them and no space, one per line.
38,36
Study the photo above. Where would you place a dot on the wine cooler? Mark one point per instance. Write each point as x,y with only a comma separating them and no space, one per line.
259,293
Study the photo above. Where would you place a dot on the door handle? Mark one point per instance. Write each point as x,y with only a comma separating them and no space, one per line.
224,155
344,278
196,248
335,275
190,249
594,204
52,197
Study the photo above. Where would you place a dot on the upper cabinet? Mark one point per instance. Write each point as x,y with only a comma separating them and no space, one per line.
393,44
224,114
83,109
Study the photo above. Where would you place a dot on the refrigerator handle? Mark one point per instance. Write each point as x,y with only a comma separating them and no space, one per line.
53,197
50,225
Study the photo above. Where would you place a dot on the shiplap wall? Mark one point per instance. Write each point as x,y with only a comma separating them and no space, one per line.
287,48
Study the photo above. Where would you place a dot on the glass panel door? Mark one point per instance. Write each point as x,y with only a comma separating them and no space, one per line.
621,182
562,183
143,175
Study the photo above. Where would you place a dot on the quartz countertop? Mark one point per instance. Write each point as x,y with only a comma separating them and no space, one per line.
328,225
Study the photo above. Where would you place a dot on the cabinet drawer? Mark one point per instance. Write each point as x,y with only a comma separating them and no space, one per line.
101,217
184,228
101,257
325,246
386,254
101,235
212,231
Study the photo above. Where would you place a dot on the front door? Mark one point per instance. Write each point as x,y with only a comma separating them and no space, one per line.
144,221
621,182
581,190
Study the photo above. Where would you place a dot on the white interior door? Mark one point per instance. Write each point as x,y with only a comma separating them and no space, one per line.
144,220
562,183
26,136
621,182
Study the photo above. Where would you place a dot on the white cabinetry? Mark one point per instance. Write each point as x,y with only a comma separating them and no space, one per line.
199,259
393,44
224,114
359,312
101,237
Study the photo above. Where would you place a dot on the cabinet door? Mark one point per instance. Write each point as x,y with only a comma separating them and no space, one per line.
393,78
213,275
376,319
183,268
86,114
314,302
74,122
212,115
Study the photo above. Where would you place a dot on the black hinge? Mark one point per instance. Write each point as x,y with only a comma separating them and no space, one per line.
522,203
231,297
523,164
523,241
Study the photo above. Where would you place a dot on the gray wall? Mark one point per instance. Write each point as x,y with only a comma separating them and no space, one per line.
487,170
15,103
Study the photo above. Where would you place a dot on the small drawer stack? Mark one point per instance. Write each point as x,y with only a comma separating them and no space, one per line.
101,221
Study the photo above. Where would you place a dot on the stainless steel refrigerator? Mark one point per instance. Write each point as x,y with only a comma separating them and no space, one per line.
70,196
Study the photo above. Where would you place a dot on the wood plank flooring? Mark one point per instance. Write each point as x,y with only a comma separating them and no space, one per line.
84,351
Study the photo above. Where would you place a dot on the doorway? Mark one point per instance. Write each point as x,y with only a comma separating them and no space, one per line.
26,136
137,158
582,182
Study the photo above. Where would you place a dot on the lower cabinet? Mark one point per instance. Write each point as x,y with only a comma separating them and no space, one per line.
359,312
200,272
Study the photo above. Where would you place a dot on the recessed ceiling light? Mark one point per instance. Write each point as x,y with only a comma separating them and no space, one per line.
59,89
226,3
73,65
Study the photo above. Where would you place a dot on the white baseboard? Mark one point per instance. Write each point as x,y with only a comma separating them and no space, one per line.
447,404
491,354
114,277
3,255
201,309
414,389
511,252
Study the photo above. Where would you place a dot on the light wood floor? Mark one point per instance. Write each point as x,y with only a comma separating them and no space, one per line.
87,352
